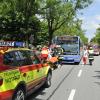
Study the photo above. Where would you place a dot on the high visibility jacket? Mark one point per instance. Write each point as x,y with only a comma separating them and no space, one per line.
91,56
90,51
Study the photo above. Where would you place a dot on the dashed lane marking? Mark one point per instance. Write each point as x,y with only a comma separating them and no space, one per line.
80,73
71,96
60,83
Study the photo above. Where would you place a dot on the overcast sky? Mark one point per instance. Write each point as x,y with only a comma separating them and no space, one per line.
91,18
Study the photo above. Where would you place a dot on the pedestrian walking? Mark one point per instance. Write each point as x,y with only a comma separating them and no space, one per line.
85,56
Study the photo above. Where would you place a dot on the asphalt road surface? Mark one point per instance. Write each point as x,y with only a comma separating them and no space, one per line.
73,82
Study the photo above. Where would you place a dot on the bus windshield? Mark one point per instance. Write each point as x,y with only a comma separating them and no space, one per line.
70,48
69,44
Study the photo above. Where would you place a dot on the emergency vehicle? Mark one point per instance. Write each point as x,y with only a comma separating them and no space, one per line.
21,72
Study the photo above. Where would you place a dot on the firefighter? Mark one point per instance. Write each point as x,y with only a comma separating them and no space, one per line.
44,52
91,56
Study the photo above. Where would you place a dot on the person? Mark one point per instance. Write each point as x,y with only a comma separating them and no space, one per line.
90,50
44,53
85,56
49,53
91,55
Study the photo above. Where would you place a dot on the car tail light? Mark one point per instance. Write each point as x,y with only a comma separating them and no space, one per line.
1,81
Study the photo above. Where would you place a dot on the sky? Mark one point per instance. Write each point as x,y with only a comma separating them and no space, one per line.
91,18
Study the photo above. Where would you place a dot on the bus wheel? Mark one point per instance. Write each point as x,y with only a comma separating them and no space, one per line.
77,63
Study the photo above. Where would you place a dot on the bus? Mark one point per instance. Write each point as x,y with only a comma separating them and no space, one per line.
72,48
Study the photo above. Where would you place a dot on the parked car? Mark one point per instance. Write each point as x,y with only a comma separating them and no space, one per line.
96,50
21,73
96,53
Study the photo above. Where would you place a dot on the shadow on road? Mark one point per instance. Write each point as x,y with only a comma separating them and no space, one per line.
97,71
84,64
34,95
97,76
98,83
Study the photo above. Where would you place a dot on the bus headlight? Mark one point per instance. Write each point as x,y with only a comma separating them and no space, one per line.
77,59
61,57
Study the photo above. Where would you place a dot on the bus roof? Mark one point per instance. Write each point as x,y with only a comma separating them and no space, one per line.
72,38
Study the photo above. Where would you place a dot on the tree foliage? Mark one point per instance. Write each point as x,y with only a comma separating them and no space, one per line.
74,29
18,19
59,13
40,18
96,39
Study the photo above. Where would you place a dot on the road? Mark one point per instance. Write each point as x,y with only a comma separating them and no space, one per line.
73,82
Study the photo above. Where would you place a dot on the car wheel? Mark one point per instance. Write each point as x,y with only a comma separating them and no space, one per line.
19,95
48,80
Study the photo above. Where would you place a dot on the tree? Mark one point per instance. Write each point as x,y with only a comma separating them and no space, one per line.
74,29
56,14
96,39
59,12
18,19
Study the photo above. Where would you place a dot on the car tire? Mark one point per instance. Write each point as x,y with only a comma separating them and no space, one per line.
48,80
19,94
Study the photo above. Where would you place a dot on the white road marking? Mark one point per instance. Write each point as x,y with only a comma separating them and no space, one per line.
71,96
59,66
80,73
82,65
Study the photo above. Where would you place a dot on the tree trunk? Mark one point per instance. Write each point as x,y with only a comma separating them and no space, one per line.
50,36
35,39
